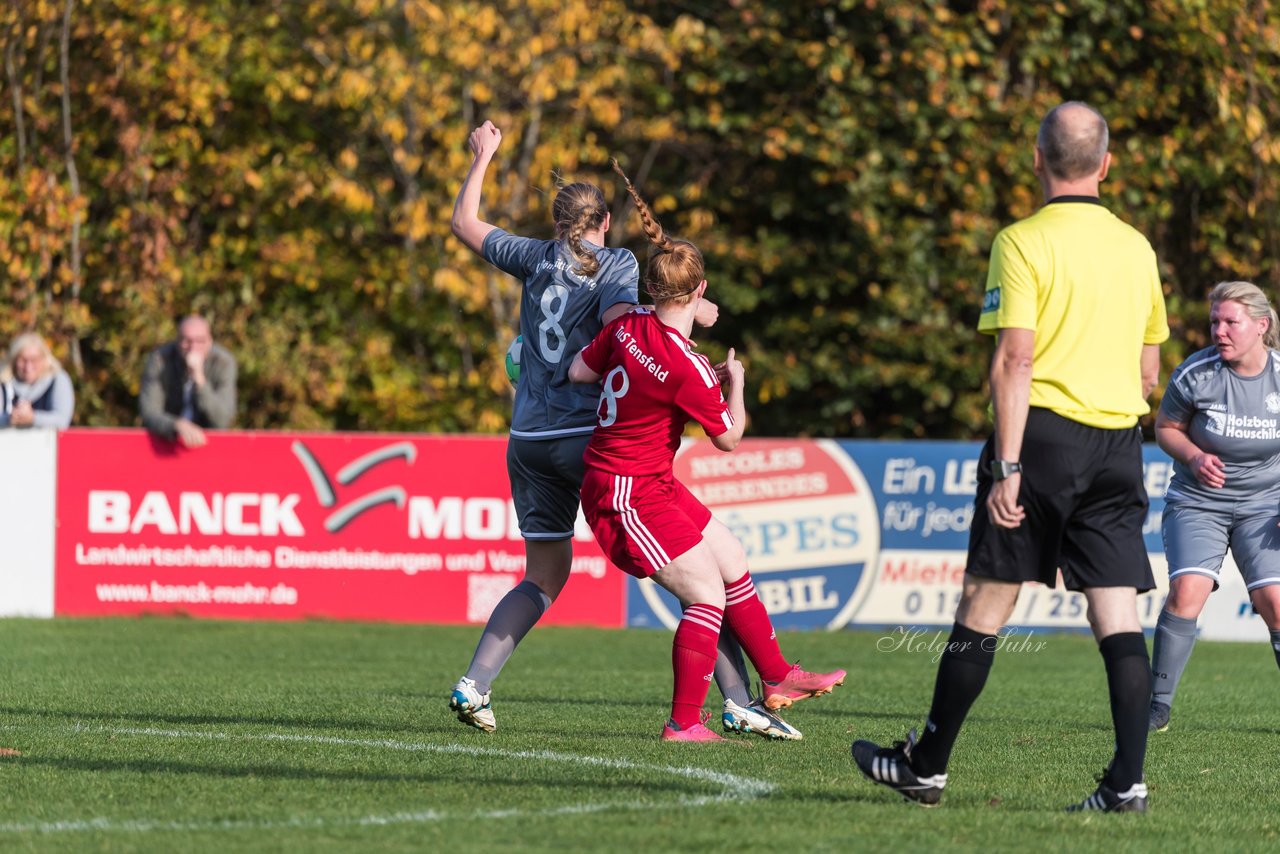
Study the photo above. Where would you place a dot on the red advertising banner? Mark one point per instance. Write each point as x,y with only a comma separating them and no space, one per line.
294,525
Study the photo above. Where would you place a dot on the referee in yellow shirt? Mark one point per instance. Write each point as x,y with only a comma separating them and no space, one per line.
1074,300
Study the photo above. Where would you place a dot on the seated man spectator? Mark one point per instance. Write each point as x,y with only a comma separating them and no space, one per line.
188,385
34,389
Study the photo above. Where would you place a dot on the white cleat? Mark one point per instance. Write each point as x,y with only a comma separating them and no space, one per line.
473,708
757,718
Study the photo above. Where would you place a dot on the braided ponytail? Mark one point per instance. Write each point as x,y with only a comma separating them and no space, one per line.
652,228
579,208
588,263
675,267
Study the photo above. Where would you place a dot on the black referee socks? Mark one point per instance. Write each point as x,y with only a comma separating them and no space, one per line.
962,673
1129,683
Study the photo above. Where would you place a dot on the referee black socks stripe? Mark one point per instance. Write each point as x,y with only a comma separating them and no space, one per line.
962,673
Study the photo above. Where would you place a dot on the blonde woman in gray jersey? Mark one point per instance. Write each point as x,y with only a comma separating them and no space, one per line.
571,287
1220,422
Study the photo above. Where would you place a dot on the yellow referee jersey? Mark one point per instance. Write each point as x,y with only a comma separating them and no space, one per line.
1087,284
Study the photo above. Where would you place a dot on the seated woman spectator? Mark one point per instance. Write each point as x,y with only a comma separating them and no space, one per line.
37,391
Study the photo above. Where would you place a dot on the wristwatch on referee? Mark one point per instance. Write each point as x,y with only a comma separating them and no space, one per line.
1002,469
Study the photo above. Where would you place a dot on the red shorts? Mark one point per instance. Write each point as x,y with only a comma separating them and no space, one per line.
643,522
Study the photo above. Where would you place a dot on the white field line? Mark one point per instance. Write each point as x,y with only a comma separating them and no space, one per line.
732,787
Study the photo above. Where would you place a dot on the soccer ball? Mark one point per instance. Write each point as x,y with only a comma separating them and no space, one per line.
513,360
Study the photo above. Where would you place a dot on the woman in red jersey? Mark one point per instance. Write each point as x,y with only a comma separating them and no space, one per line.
650,525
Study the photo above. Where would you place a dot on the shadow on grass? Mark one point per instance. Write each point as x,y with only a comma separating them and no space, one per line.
542,722
505,697
891,801
154,718
477,776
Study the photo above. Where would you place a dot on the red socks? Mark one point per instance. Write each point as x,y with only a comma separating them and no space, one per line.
693,658
693,654
751,625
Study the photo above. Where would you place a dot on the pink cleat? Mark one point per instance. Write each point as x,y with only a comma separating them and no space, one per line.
799,684
696,732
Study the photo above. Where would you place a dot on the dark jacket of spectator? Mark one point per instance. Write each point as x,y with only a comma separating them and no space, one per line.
167,394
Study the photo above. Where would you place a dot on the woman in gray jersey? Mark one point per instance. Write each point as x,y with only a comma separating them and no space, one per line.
572,287
1220,422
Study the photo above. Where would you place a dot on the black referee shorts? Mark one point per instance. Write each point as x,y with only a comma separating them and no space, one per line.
1086,502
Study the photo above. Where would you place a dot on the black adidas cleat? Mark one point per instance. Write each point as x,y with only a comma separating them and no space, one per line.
891,766
1107,799
1158,719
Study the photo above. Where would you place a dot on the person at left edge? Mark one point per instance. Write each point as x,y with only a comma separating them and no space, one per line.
34,389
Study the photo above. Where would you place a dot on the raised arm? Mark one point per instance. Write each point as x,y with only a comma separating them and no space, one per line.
732,370
467,225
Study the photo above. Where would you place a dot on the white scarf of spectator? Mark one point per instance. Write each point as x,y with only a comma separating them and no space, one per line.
33,391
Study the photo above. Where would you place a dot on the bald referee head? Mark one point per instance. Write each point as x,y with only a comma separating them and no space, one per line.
1071,156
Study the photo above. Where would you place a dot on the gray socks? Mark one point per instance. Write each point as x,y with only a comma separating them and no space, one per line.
518,612
731,670
1174,639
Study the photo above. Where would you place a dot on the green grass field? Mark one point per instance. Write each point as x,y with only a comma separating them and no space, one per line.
162,735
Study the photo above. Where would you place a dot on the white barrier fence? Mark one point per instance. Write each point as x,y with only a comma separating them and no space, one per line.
28,483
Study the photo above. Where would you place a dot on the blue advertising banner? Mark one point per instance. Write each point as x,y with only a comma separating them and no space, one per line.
865,533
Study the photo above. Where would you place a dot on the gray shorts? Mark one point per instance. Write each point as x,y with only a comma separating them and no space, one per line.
1196,539
546,481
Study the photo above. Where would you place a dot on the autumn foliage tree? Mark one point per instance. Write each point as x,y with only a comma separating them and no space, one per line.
288,168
